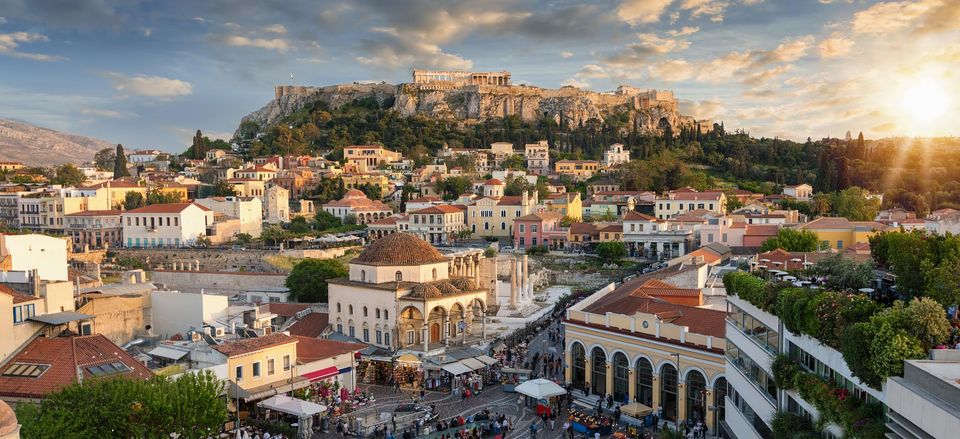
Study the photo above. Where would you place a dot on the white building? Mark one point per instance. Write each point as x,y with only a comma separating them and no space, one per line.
249,210
401,293
654,238
276,204
165,225
538,157
802,192
438,224
925,402
46,254
616,154
143,156
173,312
682,201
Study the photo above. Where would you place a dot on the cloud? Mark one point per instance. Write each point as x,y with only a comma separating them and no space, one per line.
751,2
835,46
149,86
714,9
575,82
789,50
887,17
72,14
706,109
886,127
278,44
764,76
637,12
566,54
3,20
110,114
392,51
671,70
684,31
275,29
10,42
650,44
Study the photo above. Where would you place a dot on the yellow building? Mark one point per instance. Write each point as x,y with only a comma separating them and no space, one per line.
840,233
258,367
117,190
567,204
173,188
493,216
578,169
354,181
611,233
248,187
10,166
646,350
368,157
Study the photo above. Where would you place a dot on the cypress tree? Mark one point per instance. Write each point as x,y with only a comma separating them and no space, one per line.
120,163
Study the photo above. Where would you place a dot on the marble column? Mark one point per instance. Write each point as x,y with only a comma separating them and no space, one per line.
681,401
527,288
445,331
426,339
513,284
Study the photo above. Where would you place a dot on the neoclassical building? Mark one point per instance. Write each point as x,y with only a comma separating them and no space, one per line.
643,346
401,293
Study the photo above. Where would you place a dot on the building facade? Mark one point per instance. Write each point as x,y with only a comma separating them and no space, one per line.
165,225
537,156
94,229
616,154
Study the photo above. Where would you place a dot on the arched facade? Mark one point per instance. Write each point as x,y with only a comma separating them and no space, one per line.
644,375
598,380
579,365
621,377
696,398
668,391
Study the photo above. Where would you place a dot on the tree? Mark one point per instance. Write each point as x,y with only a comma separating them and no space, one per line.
516,186
198,146
189,406
611,251
792,240
733,203
467,162
274,235
243,238
69,175
157,196
120,163
845,274
104,159
453,187
515,162
133,200
299,225
308,279
223,189
372,191
325,220
852,203
942,281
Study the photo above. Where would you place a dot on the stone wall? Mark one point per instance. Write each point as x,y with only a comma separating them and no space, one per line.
216,281
316,253
209,259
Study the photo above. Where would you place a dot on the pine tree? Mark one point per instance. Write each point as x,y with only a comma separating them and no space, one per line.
120,163
198,152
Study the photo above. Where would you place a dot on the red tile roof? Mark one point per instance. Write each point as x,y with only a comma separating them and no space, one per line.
492,182
698,320
637,216
583,229
311,325
249,345
17,296
66,357
438,209
96,213
167,208
546,215
313,349
114,184
287,309
657,287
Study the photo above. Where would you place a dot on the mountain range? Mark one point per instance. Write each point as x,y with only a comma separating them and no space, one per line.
37,146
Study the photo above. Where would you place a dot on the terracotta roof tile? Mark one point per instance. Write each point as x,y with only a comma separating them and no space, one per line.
166,208
313,349
249,345
65,356
96,213
438,209
698,320
399,249
287,309
311,325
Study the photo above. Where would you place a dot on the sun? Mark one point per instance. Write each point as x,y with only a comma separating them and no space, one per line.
925,100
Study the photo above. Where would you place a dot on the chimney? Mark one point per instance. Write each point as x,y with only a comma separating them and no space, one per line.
34,283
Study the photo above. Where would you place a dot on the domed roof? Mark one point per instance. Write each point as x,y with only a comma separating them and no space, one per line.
354,193
464,283
447,288
8,419
399,249
425,291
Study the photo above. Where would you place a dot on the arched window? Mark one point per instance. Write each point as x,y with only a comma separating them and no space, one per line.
621,376
363,275
365,311
579,366
378,313
696,395
668,391
386,314
644,376
399,276
338,307
350,308
434,274
599,366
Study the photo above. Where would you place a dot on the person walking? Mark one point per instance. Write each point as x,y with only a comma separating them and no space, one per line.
533,430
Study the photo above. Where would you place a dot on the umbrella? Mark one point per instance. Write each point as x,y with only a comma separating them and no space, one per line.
292,406
540,388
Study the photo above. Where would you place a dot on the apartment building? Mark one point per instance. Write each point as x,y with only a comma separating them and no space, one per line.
493,217
368,157
249,210
117,191
46,210
616,154
655,238
537,156
682,201
257,172
539,228
94,229
440,224
580,170
276,204
165,225
258,367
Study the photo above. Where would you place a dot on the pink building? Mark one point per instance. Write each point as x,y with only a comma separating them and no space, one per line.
540,228
722,230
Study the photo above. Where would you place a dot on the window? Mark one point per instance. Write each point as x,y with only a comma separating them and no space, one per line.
521,242
710,237
839,244
399,276
350,308
378,313
533,228
386,314
27,370
353,331
338,307
409,337
86,328
724,237
633,227
533,241
366,335
239,373
379,336
521,228
286,363
752,372
340,328
434,274
386,338
108,369
17,314
365,313
363,275
256,369
270,367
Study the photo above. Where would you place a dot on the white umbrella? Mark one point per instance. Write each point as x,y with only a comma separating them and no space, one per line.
292,406
540,388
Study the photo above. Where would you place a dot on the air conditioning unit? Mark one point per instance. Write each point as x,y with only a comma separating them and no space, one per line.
208,330
220,332
196,336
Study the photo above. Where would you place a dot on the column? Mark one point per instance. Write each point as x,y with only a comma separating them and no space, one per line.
527,289
426,338
632,384
568,366
588,372
484,326
711,414
445,330
681,401
513,284
656,391
680,250
609,377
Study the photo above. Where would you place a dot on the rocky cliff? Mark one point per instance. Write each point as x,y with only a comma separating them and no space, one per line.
469,104
36,146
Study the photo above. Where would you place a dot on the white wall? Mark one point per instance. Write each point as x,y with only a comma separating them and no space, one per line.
174,312
46,254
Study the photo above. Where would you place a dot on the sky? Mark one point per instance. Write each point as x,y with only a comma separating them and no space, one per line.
148,74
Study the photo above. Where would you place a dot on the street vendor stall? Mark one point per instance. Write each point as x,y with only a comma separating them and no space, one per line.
511,376
303,410
542,391
586,424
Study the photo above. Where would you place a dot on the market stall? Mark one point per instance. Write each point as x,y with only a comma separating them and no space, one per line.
302,410
584,423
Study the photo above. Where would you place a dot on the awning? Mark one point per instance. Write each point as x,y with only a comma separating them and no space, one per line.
266,390
292,406
167,352
457,368
636,409
59,318
473,363
408,358
318,375
486,359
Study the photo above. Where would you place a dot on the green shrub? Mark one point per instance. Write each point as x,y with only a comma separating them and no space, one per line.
786,425
785,372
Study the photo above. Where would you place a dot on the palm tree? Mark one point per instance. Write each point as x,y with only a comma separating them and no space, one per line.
821,204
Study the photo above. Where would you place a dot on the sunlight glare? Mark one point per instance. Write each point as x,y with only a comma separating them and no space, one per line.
925,101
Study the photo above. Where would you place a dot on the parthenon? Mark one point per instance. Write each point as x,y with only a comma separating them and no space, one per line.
461,77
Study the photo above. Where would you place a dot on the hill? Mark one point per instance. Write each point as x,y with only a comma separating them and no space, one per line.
36,146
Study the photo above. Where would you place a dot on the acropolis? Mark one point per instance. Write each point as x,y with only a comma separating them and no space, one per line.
458,78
